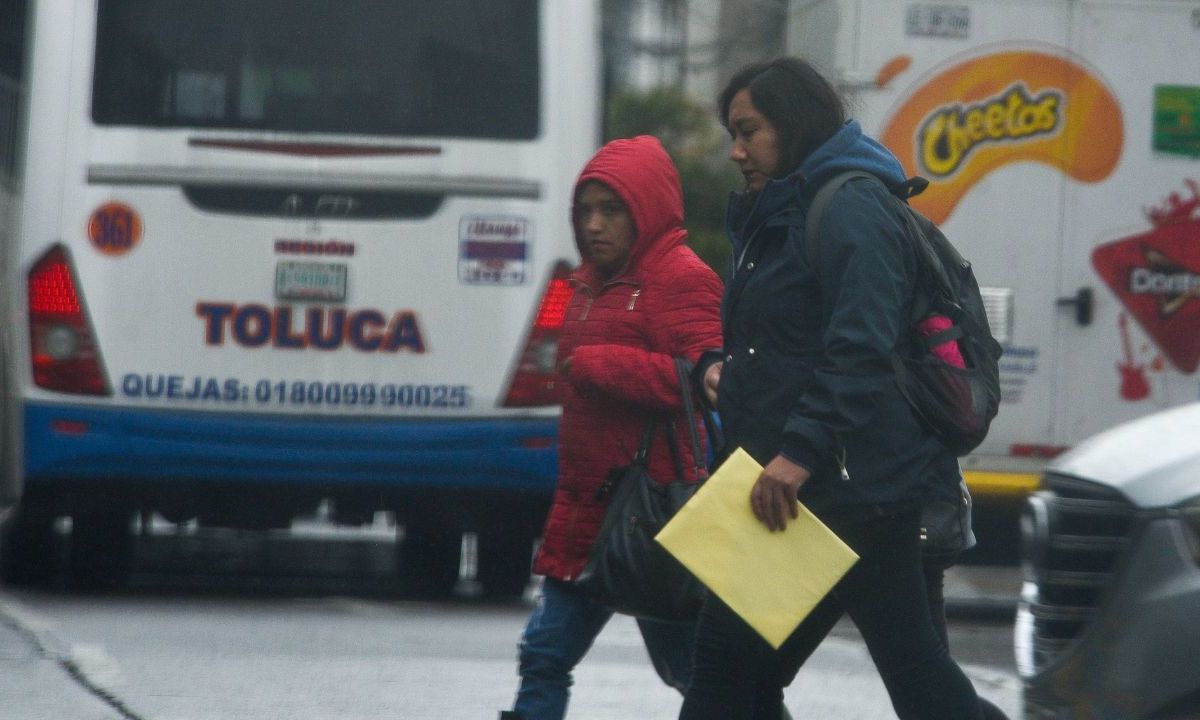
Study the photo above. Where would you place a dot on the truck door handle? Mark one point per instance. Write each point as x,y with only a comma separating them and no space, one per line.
1082,300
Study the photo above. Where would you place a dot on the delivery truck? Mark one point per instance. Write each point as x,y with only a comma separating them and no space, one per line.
1061,139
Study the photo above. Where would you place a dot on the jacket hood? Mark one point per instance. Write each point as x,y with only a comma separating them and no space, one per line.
642,174
849,149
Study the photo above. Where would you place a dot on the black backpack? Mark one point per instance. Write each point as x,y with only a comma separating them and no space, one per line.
956,404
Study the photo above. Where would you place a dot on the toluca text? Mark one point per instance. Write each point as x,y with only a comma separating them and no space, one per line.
321,328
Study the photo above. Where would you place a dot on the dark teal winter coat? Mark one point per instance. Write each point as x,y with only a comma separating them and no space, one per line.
807,370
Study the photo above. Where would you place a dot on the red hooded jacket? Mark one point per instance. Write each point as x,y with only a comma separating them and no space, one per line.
622,335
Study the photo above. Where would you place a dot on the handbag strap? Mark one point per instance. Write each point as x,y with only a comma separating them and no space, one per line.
673,446
643,451
684,370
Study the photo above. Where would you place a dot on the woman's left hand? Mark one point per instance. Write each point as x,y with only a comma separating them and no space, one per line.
773,497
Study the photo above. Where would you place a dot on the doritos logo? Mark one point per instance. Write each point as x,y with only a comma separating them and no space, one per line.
980,114
1156,275
1165,280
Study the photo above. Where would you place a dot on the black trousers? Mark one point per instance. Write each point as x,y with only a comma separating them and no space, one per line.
738,676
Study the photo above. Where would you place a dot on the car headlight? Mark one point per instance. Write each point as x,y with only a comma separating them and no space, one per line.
1189,516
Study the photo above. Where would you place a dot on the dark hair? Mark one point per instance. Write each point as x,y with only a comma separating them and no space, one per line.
799,102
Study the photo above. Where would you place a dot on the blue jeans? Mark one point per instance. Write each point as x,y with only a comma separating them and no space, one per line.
559,633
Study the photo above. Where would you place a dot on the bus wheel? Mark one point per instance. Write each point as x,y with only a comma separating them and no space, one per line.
101,550
29,549
428,558
504,562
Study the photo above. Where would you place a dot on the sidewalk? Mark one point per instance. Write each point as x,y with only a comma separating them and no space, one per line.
35,674
982,590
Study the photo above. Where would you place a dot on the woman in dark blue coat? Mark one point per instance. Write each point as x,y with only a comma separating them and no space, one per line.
804,383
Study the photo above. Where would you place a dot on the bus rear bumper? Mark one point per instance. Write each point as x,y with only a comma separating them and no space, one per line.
65,445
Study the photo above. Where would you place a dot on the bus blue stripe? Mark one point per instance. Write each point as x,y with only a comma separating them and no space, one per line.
133,444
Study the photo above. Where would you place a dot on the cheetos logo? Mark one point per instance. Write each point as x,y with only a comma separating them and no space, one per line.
952,132
971,117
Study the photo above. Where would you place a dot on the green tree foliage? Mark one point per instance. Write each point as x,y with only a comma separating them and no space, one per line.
695,141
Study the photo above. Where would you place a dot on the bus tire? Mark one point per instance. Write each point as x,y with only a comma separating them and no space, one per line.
100,555
505,562
29,548
428,558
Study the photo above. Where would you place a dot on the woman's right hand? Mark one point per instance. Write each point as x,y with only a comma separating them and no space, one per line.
773,497
712,378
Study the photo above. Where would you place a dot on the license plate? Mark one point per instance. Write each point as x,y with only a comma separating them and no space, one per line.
310,281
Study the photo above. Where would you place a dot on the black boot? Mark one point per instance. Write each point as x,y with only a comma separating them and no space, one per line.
509,715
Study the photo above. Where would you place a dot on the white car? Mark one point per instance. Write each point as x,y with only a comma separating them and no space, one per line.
1108,626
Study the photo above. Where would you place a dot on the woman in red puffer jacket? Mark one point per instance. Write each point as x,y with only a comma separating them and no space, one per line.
642,298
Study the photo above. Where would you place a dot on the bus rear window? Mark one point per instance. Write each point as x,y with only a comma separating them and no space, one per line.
454,68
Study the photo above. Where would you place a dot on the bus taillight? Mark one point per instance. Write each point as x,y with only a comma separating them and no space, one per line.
533,381
61,343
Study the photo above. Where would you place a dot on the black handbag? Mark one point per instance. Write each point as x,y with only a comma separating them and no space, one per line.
627,570
946,525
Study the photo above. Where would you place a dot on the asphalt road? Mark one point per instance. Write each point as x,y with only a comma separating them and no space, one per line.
284,631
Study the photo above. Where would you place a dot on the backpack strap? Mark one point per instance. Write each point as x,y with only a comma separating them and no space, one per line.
817,208
951,333
909,188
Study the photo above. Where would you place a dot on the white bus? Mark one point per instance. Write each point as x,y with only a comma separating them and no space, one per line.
260,255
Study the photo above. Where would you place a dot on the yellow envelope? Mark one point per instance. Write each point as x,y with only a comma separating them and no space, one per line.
773,580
